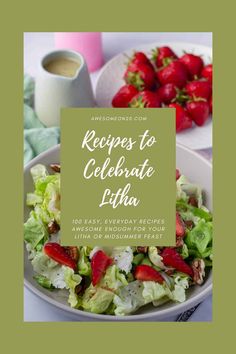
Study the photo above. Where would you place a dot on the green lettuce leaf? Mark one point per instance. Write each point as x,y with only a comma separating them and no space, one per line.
38,171
52,200
72,280
155,258
44,282
84,267
154,291
186,189
200,238
47,267
34,231
129,298
113,279
96,300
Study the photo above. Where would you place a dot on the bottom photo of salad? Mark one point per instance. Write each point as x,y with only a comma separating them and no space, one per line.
117,280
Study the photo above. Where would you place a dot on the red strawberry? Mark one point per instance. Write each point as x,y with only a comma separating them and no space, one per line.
174,72
73,252
198,111
99,263
139,58
210,104
124,96
170,93
58,254
177,174
172,258
167,93
207,72
199,89
140,75
193,63
183,121
146,273
161,53
179,226
145,99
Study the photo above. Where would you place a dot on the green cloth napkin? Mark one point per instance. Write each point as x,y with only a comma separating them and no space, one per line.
37,138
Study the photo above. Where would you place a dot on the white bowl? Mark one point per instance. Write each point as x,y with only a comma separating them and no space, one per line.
110,80
198,170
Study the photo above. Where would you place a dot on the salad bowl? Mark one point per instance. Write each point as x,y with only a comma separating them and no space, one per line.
199,171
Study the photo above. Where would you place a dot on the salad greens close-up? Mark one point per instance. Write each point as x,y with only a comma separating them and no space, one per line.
117,280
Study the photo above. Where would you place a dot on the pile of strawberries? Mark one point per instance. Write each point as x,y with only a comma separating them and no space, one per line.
166,80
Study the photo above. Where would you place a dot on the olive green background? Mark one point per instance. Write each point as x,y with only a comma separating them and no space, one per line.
17,336
80,197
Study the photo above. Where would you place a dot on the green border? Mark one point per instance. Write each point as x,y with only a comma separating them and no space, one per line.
105,337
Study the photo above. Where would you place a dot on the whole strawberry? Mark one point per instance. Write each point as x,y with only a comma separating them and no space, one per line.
174,72
199,88
193,63
198,111
183,121
170,93
140,75
207,72
123,97
172,258
139,58
167,93
145,99
158,54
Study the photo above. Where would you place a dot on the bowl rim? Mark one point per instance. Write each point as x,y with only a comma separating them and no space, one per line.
164,313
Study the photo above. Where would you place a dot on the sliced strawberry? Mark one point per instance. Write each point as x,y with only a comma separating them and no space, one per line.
99,263
146,273
179,226
58,254
177,173
172,258
72,251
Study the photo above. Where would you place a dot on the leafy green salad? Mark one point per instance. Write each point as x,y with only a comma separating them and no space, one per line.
117,280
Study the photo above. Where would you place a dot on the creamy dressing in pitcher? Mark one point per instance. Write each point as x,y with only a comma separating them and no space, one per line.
62,66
